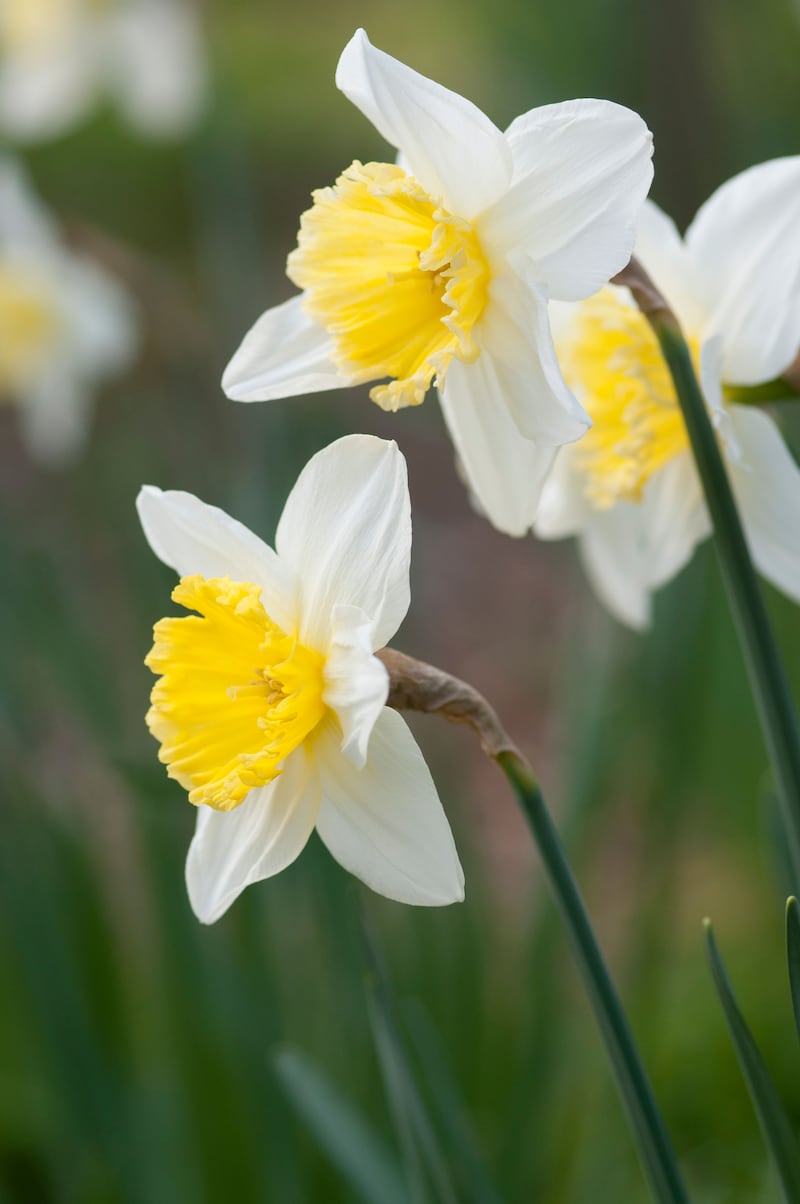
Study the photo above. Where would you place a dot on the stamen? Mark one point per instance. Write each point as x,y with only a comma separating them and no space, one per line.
611,359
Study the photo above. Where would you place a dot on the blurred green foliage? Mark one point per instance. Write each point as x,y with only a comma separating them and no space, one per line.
140,1054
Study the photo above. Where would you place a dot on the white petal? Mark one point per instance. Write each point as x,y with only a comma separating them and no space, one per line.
42,95
259,838
192,537
581,172
285,354
356,682
674,519
504,470
711,356
563,508
633,548
515,331
451,147
346,532
609,551
54,417
384,823
156,66
745,245
661,250
25,224
767,487
102,318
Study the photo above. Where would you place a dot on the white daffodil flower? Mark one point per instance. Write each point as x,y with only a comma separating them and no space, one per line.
65,324
58,57
270,708
629,490
438,269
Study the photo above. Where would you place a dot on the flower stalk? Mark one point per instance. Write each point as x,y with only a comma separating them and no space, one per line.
765,669
421,687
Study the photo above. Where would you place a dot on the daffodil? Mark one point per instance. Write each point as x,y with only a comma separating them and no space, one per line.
270,704
65,323
629,490
58,57
437,269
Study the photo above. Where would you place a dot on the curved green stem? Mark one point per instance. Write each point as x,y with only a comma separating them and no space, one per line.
654,1145
767,677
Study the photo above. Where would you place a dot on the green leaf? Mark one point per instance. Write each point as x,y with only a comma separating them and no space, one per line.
774,1122
418,1137
343,1133
793,955
474,1178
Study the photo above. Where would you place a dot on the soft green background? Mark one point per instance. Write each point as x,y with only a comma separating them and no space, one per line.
140,1052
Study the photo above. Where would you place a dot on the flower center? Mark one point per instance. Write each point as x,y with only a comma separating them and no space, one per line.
397,280
612,361
236,694
29,325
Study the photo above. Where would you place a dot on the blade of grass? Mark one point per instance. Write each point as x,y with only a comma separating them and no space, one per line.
422,1150
778,1134
344,1134
474,1178
793,955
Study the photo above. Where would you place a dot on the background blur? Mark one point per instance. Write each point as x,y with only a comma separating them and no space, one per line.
141,1054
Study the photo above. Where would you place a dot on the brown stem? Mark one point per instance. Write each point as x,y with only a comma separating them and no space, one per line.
645,293
417,686
792,374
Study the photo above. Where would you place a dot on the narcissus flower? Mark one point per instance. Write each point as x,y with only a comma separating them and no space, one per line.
65,324
270,705
437,269
629,490
57,57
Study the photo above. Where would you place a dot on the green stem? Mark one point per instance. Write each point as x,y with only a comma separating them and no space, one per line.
756,395
767,677
654,1145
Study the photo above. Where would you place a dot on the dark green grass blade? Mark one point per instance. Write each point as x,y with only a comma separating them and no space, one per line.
793,955
774,1122
349,1141
474,1179
422,1150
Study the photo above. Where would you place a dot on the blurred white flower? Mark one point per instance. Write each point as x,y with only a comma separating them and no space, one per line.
629,490
65,324
58,57
270,708
438,269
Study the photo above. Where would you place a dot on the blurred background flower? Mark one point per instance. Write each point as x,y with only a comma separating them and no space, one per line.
137,1049
58,58
65,324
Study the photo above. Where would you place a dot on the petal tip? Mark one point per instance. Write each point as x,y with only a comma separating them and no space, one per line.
147,493
230,386
358,43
